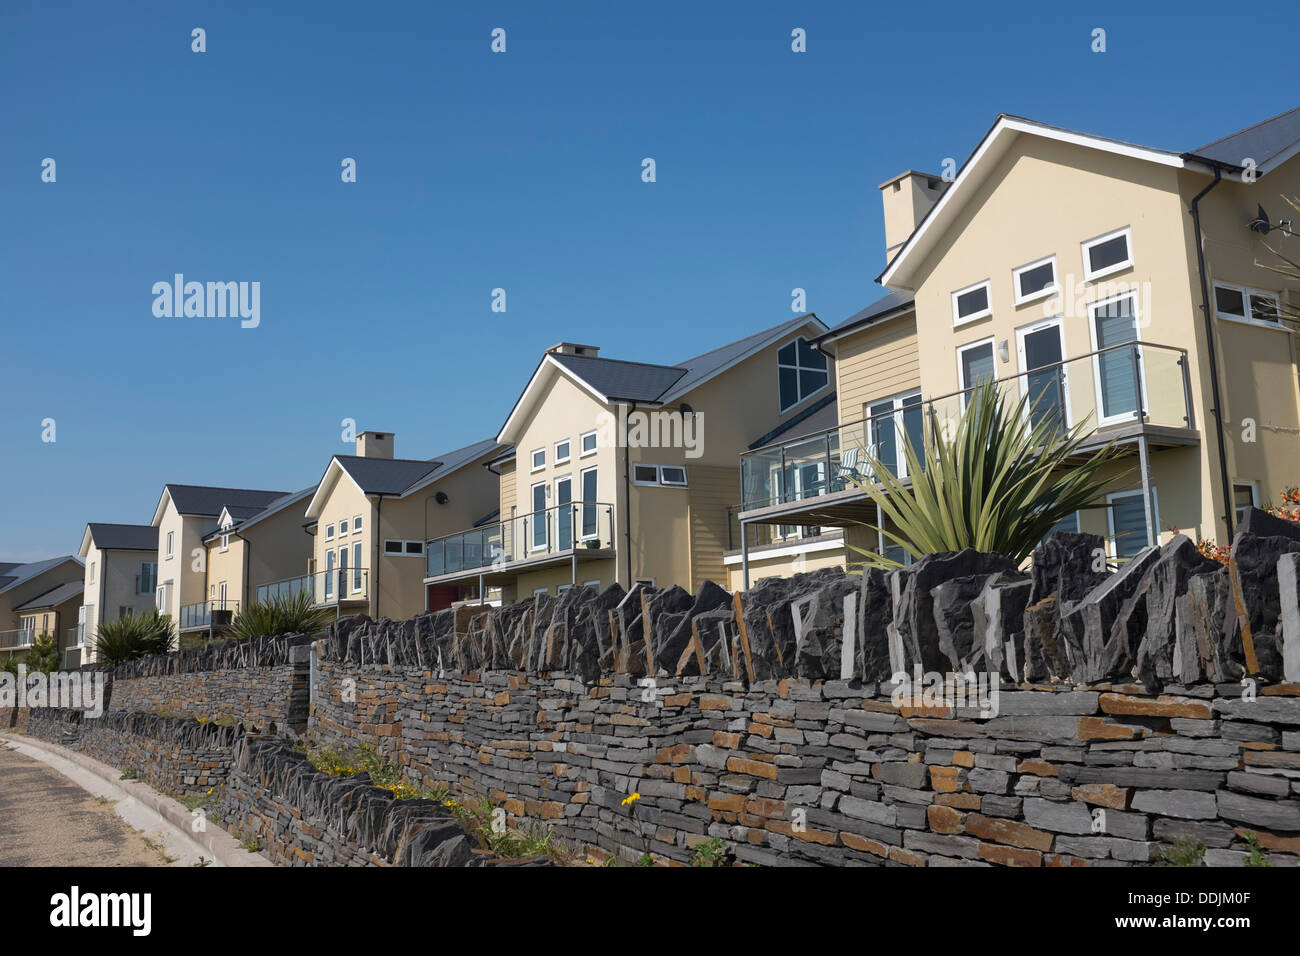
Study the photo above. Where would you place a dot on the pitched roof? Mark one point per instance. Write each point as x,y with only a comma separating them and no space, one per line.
615,379
54,597
703,367
1267,143
123,537
886,307
208,501
245,517
12,575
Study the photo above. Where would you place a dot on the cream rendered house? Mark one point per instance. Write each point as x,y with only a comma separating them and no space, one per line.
252,546
120,578
1118,285
38,597
626,471
372,513
185,516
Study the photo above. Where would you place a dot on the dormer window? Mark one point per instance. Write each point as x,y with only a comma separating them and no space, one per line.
802,371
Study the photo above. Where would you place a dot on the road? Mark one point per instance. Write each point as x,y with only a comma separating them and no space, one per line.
47,820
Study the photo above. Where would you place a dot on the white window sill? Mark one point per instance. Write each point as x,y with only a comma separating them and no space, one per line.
1257,323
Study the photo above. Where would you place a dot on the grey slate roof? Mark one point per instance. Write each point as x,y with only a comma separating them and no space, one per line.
204,500
123,537
396,476
54,597
617,379
644,382
16,574
1260,142
881,307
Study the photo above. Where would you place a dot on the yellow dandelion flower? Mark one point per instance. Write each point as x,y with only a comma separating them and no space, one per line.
630,799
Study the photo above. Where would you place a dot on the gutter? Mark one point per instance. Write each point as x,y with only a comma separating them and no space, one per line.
627,503
1215,395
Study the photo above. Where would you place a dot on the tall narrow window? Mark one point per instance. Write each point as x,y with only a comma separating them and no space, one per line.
539,536
590,497
975,364
1117,367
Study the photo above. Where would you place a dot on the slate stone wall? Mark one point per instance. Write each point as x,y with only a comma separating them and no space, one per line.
172,755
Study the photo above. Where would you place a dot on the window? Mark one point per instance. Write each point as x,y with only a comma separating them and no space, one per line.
162,597
971,303
541,592
1245,495
561,452
587,444
343,528
592,584
225,542
329,532
1069,524
1117,371
92,572
672,475
538,540
801,372
147,581
645,474
590,528
356,566
1107,254
356,524
222,595
975,365
1233,302
893,423
212,591
539,459
400,548
563,587
171,543
644,582
1034,281
329,573
1128,521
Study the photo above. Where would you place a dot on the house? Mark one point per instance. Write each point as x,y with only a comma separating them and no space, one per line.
39,598
121,574
1121,286
372,513
626,471
253,546
184,517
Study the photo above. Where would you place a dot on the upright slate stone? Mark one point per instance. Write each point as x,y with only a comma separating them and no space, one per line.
674,636
818,619
1161,587
1093,649
875,616
1259,544
997,619
1065,567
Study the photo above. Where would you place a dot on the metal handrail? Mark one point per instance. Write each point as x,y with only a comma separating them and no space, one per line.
1135,345
527,536
326,587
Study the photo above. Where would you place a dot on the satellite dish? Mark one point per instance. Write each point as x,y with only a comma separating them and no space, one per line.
686,409
441,497
1261,223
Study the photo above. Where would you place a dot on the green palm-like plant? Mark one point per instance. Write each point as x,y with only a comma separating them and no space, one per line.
282,614
993,482
133,636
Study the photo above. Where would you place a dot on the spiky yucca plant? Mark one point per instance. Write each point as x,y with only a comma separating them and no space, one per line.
994,483
295,614
132,636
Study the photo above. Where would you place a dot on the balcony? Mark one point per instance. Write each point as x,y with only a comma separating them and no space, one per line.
331,587
19,640
575,531
208,615
1131,393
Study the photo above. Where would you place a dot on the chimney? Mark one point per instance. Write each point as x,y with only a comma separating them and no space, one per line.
375,445
570,348
907,198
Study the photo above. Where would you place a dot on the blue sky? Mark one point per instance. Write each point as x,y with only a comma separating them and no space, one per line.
476,171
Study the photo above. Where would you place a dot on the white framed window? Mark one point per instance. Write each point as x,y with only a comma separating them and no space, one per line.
329,532
541,592
392,546
973,302
667,476
673,476
592,584
562,449
1107,254
1034,280
398,547
1245,495
538,537
414,549
329,573
221,595
589,521
225,542
1043,380
560,589
343,528
975,364
645,474
171,543
539,459
892,423
356,524
587,444
801,372
646,582
356,567
162,597
1242,304
92,572
1127,518
1117,371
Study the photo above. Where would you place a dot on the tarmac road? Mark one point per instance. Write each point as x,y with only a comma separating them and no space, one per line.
47,820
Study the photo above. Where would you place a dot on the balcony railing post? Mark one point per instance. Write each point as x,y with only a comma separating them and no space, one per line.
1138,411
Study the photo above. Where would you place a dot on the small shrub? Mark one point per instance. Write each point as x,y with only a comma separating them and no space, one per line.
646,860
43,656
132,637
128,774
1256,855
282,614
710,853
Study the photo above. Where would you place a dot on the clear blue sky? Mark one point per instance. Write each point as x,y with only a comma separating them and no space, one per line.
478,171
